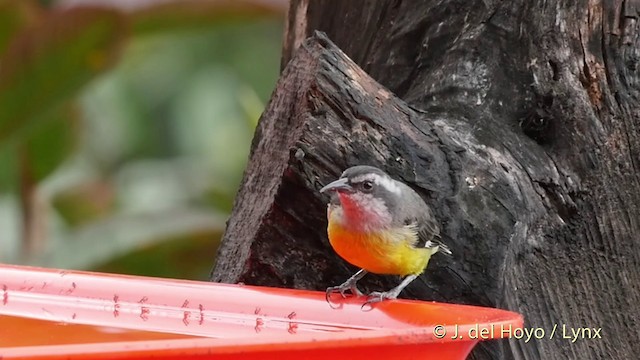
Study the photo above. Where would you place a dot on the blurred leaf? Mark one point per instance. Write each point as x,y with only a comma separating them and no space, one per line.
46,64
101,241
49,144
9,169
220,199
85,203
198,13
14,15
189,256
251,105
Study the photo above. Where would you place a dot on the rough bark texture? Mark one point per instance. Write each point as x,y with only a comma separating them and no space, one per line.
526,144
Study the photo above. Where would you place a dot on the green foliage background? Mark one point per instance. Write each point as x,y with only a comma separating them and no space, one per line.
124,131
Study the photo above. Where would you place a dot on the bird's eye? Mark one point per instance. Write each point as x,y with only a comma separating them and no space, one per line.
367,185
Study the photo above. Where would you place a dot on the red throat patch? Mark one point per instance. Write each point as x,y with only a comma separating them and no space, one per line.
364,211
350,207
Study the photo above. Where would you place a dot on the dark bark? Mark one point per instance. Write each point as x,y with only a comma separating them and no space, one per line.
526,144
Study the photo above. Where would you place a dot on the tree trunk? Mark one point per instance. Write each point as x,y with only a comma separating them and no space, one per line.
517,121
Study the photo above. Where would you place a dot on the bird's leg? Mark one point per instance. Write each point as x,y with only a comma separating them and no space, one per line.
378,296
350,285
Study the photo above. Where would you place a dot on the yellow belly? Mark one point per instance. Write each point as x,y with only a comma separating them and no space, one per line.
384,252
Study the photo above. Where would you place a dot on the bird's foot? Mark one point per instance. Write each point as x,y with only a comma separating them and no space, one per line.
378,296
349,285
343,290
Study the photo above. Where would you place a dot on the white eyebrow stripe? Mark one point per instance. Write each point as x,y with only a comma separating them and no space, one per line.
383,181
362,178
389,184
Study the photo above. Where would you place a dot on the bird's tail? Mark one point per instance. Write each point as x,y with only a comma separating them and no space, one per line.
438,246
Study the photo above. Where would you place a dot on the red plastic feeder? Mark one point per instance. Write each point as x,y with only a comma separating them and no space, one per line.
54,314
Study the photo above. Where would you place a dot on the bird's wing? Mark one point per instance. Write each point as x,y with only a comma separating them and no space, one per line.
429,234
426,228
418,214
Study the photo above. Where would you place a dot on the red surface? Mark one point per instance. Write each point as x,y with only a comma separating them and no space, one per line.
51,314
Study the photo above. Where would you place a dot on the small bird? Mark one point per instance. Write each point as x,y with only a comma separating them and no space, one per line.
382,226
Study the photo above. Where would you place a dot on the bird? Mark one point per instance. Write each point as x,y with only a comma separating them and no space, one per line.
382,226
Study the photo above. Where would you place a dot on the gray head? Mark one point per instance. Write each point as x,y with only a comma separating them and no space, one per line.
368,196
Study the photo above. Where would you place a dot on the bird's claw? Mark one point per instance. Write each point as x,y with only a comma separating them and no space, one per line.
378,296
349,285
342,290
334,289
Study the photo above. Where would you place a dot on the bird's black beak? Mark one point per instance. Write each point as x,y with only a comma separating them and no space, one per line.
340,184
